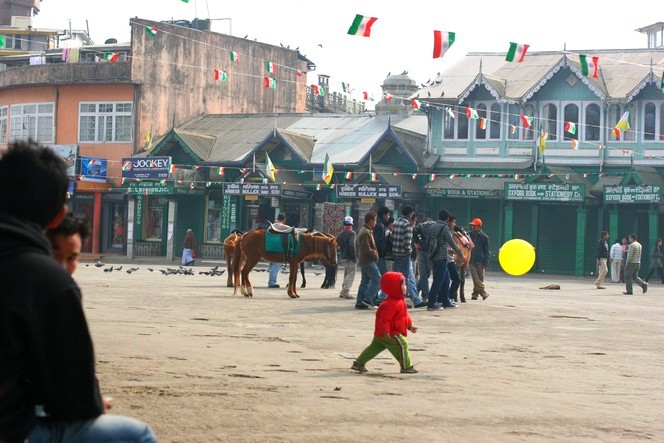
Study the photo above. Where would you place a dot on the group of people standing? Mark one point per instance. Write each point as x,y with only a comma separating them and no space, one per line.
403,245
625,259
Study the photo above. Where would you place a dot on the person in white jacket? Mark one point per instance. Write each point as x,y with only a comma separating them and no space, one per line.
616,257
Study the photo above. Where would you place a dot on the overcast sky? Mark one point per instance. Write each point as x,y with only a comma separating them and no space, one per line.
401,39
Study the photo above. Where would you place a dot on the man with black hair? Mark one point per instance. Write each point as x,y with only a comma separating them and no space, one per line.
439,295
67,240
48,387
379,233
402,236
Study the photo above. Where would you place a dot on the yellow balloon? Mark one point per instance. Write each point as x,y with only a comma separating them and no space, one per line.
516,256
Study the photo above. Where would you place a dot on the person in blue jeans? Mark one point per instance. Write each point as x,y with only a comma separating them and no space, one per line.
440,287
273,268
367,258
421,237
402,243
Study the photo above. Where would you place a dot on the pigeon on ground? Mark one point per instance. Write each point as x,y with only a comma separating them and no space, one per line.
99,264
150,269
118,268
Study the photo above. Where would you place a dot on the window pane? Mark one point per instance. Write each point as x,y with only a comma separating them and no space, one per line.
29,109
106,107
592,128
87,128
448,126
649,122
46,108
614,116
528,133
100,128
462,127
88,107
108,132
45,129
214,217
496,121
123,107
480,134
123,128
571,115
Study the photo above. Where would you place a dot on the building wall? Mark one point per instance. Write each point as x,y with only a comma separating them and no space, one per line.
175,69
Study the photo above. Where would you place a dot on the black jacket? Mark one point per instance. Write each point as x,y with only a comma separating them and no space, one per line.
602,249
46,354
480,253
346,241
379,237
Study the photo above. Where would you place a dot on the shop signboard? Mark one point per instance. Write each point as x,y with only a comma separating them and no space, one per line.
632,194
465,193
368,191
546,192
261,190
149,188
299,195
146,167
68,153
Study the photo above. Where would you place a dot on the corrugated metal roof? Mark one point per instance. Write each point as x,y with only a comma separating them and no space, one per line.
622,72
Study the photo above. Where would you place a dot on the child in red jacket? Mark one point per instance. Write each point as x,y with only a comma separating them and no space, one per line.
392,325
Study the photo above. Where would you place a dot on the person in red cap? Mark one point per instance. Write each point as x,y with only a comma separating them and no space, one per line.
392,325
479,258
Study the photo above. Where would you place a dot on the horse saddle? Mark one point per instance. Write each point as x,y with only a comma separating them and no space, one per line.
287,242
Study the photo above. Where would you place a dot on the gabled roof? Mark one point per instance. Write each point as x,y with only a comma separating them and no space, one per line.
346,138
623,73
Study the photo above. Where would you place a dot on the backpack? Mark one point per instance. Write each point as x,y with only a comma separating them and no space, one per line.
434,244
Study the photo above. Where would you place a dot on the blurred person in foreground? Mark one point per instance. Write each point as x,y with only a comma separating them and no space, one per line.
48,387
67,239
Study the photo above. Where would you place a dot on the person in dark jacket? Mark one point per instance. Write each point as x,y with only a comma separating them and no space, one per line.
346,241
379,234
602,258
656,261
479,259
48,388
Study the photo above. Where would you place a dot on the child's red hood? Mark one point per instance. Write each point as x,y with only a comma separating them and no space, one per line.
390,283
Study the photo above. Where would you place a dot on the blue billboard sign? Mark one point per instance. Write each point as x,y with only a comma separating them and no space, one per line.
93,169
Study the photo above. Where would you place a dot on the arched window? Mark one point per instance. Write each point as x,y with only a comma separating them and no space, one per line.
613,117
448,125
495,122
571,114
514,121
462,122
480,134
649,122
593,123
550,121
527,133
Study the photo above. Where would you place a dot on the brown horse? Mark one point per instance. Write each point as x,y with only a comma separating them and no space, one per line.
229,249
465,244
252,245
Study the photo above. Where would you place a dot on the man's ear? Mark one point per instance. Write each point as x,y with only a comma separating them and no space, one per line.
58,218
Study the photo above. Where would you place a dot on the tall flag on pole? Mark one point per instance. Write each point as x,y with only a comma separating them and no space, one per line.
234,56
152,31
269,167
622,125
589,66
542,141
345,87
442,42
517,52
362,25
328,170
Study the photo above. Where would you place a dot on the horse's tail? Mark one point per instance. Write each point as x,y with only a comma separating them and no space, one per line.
237,263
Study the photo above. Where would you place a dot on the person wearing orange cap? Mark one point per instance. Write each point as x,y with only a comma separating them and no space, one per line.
479,258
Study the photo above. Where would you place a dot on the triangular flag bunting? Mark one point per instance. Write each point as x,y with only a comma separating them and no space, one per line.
415,103
471,113
388,97
270,67
349,175
269,167
374,177
111,56
542,141
220,75
365,95
151,31
575,144
432,177
221,170
270,82
234,56
450,112
482,123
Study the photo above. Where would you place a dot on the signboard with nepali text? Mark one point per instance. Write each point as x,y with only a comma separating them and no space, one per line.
548,192
465,193
369,191
261,190
633,194
146,167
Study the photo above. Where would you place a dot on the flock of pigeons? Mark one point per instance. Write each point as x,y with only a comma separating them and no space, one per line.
181,270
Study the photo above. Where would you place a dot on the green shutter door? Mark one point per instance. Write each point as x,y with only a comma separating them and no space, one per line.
556,239
592,237
189,216
522,224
